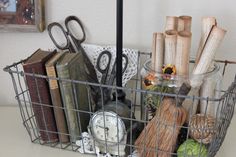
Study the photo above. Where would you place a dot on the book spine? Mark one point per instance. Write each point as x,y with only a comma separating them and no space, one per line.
69,104
41,102
81,92
58,107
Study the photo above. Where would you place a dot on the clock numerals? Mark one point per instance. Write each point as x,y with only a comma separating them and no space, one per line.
99,121
107,119
107,127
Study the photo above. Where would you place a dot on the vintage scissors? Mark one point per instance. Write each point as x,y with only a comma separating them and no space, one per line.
68,33
105,68
73,44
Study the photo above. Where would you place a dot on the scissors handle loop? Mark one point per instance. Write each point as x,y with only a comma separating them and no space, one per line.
99,61
113,72
126,62
104,69
77,20
59,46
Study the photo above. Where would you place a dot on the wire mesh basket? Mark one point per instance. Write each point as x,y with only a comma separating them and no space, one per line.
125,121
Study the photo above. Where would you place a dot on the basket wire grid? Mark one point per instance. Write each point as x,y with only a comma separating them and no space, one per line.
133,92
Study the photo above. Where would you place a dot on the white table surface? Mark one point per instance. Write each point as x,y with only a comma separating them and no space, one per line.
14,140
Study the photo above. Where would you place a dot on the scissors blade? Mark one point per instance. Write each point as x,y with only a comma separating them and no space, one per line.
112,77
113,72
89,68
92,78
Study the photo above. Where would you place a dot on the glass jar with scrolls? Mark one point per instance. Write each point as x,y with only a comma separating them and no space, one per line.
202,98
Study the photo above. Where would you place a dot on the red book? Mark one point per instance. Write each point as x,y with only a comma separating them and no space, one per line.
40,95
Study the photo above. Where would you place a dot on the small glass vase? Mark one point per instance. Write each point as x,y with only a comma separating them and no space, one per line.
204,89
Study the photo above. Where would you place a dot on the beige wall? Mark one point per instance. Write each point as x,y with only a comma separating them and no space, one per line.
141,19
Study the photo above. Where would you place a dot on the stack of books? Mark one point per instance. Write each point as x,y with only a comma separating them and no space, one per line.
59,104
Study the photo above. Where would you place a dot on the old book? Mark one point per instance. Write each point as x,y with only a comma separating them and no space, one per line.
39,94
75,96
56,98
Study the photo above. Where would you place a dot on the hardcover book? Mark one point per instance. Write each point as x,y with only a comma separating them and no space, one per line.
75,96
39,94
56,98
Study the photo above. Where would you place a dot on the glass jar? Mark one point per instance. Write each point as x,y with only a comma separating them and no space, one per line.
205,89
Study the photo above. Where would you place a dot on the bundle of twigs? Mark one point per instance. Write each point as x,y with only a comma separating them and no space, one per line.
160,134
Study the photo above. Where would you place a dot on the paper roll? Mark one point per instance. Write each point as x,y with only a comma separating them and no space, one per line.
184,23
153,61
170,47
214,40
159,58
208,90
182,68
182,53
208,53
207,24
171,23
191,105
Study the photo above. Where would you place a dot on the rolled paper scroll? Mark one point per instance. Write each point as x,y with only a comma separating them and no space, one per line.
170,47
153,61
171,23
214,40
159,58
207,24
191,105
182,69
208,89
182,53
184,23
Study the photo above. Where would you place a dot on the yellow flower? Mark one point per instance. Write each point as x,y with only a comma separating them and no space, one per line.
169,69
148,80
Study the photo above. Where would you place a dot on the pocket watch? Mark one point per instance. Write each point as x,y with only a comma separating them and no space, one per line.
108,129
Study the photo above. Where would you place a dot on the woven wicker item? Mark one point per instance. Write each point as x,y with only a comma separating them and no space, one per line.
202,128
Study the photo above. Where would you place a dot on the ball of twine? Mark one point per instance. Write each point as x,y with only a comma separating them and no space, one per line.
202,128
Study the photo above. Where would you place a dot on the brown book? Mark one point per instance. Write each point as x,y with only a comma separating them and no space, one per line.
40,96
56,98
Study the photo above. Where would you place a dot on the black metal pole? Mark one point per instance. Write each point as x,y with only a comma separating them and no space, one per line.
119,42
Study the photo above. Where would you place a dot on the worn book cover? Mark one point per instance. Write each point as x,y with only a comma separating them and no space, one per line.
39,94
74,95
56,97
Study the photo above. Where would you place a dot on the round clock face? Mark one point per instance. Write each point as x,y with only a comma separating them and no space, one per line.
107,127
